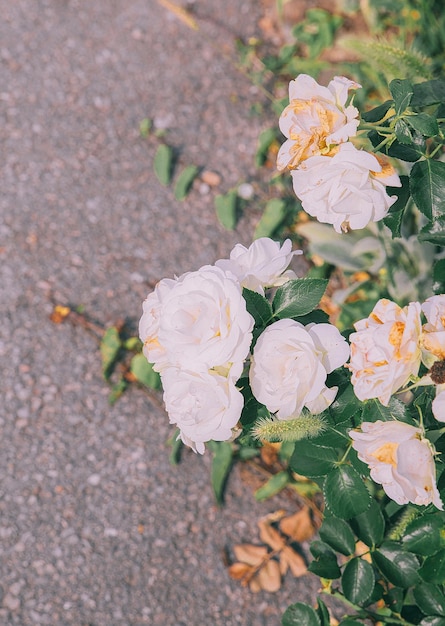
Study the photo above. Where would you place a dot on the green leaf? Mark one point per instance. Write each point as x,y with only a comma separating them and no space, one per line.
399,567
300,614
145,127
184,181
225,207
424,124
345,406
163,164
394,217
349,622
434,232
345,493
433,568
394,599
397,150
176,446
425,535
144,372
402,91
428,92
323,613
109,349
338,535
369,526
427,183
275,212
378,113
311,460
430,599
439,276
403,132
117,390
221,464
358,581
274,485
258,307
325,561
373,411
133,343
298,297
432,620
265,140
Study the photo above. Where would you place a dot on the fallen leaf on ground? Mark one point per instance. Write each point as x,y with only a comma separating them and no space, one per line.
299,526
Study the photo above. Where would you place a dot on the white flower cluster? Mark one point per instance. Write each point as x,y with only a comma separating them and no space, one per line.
387,350
336,183
197,332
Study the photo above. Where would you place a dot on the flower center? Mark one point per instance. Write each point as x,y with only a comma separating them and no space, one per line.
437,372
387,453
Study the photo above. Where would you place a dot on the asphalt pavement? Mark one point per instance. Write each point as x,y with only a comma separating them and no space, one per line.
97,528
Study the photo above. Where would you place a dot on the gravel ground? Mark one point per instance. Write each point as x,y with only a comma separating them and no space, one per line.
96,527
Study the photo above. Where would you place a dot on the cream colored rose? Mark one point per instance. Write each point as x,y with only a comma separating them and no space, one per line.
262,265
290,364
385,350
400,460
433,335
347,190
197,322
315,119
205,406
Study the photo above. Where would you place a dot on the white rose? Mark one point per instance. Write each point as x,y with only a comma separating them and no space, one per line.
385,350
438,406
433,336
399,460
290,364
261,265
347,190
315,119
197,322
205,406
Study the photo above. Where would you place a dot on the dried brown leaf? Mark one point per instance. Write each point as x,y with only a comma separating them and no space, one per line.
59,314
250,554
270,536
238,571
299,526
269,576
291,559
269,453
362,550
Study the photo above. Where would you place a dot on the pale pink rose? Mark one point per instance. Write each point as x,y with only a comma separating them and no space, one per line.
438,406
205,406
433,336
385,350
347,190
315,119
197,322
262,265
290,364
400,460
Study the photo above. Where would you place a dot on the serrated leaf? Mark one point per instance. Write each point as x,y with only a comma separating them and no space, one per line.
370,525
402,91
399,567
109,349
273,216
298,297
403,132
374,410
427,184
184,181
425,535
423,123
345,493
311,460
434,232
433,568
378,113
325,562
432,620
430,599
226,207
394,217
143,371
338,535
428,92
258,307
221,464
300,614
163,164
274,485
358,581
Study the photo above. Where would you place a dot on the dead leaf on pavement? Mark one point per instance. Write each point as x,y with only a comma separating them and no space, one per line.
59,313
299,526
290,559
